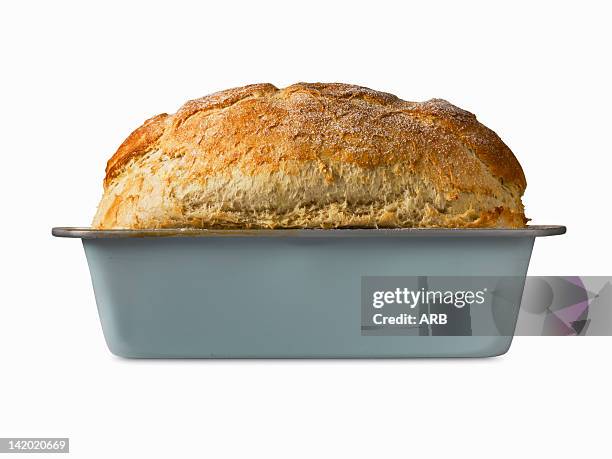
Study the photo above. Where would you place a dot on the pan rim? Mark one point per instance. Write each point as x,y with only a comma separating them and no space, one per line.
92,233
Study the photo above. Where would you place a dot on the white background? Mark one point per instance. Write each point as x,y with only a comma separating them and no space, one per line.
78,77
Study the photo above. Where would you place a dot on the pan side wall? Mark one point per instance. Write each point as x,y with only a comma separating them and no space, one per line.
278,297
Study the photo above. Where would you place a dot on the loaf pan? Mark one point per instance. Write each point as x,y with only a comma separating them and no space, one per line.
286,293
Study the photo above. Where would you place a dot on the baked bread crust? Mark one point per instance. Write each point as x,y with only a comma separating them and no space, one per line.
312,156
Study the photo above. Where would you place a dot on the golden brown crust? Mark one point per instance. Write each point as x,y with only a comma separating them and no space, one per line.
138,143
304,155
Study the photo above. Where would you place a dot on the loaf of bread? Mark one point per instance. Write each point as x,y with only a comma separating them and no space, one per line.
312,156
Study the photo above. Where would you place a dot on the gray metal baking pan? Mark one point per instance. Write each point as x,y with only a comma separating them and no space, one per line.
188,293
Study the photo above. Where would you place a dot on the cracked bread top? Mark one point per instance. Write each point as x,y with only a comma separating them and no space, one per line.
312,156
